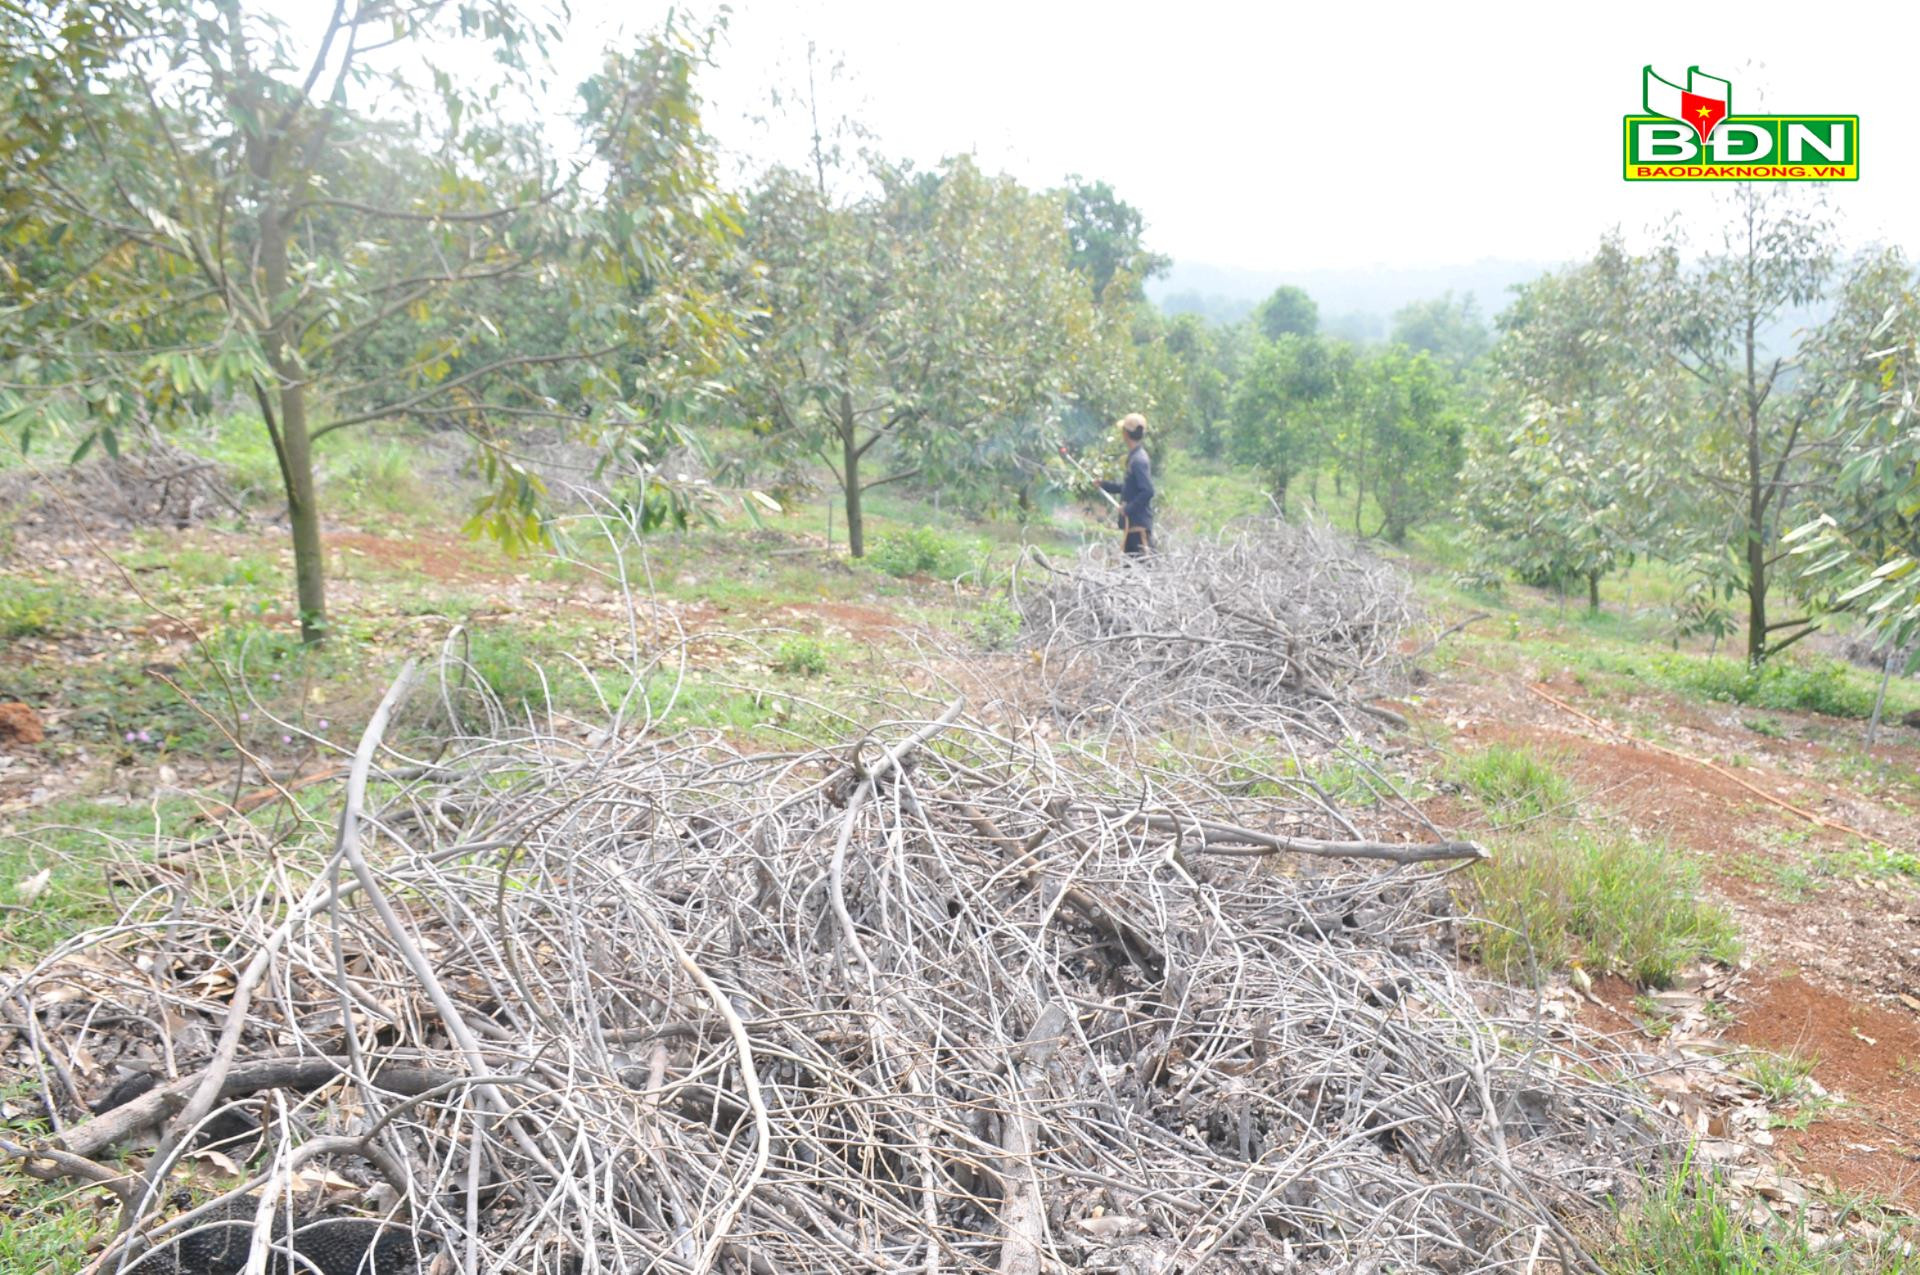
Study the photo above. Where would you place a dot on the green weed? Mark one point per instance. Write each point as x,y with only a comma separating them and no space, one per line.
1351,777
521,677
1781,1077
1795,882
995,624
1617,904
803,656
1690,1223
921,551
31,610
1806,1112
1877,863
1516,785
1809,685
45,1227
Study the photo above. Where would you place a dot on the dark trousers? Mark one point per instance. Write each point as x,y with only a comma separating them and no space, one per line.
1136,542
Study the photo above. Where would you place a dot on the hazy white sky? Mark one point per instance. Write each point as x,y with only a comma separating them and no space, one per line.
1294,137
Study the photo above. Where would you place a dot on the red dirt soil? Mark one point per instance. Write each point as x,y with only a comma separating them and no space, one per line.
19,724
1836,963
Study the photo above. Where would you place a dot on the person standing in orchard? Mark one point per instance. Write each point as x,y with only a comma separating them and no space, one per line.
1136,490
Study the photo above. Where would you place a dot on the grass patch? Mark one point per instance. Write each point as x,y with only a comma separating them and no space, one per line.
382,478
72,841
1351,777
1781,1077
1690,1223
523,672
1515,784
1614,903
923,551
995,625
801,656
33,610
45,1227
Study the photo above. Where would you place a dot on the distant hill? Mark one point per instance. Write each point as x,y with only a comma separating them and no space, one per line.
1356,302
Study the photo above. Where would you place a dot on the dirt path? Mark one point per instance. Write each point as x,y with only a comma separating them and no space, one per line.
1831,926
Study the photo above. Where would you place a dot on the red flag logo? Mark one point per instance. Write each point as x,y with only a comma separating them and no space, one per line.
1703,103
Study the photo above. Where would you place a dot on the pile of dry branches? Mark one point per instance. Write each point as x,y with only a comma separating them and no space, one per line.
1269,625
935,1001
151,483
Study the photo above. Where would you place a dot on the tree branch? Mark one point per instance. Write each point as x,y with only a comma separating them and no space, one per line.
890,478
405,405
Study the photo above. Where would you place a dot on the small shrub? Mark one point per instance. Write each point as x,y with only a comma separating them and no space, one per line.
996,625
800,655
1781,1077
1808,685
1616,904
1516,785
28,610
920,551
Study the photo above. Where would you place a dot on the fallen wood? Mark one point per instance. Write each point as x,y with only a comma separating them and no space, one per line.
935,999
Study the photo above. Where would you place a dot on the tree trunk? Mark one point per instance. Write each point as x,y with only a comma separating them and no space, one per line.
303,511
1593,591
1756,499
1880,700
295,448
850,473
1756,599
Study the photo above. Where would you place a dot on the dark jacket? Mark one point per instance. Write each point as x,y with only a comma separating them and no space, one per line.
1136,493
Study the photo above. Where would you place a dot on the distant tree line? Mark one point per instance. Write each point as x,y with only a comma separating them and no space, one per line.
198,208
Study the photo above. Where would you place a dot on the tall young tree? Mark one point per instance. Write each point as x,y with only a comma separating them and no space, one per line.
1446,327
1863,547
1759,431
230,220
1562,472
903,318
1402,441
1285,406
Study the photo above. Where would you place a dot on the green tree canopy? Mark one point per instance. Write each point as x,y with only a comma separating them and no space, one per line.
1451,330
209,215
1559,487
902,321
1288,311
1862,548
1106,239
1285,405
